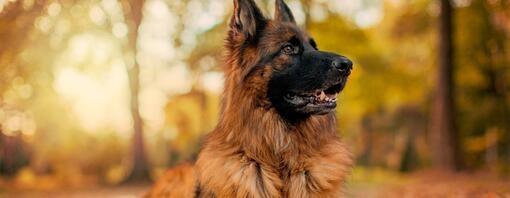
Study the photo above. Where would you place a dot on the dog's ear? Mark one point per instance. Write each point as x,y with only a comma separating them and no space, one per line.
247,18
283,13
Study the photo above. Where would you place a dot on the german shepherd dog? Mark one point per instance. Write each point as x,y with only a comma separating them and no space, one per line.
276,136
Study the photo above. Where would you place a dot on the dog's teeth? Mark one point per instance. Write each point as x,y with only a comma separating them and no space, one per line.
323,95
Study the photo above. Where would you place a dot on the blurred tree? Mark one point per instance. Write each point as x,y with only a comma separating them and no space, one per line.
17,21
14,153
133,16
482,80
444,139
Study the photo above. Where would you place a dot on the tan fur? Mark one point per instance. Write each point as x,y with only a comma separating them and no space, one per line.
177,182
253,152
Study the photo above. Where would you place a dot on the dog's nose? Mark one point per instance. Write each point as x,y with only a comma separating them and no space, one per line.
342,64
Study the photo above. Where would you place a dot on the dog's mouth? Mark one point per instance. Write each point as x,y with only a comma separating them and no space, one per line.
318,101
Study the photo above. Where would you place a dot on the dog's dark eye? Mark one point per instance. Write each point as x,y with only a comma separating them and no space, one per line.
289,49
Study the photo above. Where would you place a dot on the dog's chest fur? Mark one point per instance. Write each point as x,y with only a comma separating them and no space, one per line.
307,161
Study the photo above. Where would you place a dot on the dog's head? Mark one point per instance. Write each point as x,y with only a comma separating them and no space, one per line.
297,79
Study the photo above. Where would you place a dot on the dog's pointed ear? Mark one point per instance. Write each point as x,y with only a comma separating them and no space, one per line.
283,13
247,18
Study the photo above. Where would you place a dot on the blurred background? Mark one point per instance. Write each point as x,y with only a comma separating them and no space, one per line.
95,94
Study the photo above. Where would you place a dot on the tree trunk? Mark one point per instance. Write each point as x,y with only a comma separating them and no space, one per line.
133,18
443,136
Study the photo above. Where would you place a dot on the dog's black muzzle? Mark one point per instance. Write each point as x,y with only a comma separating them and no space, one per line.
326,62
312,85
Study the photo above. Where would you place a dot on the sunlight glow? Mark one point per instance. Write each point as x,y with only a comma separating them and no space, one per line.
97,15
158,84
152,103
43,23
163,71
298,12
54,9
157,8
200,16
212,82
462,3
364,13
368,17
2,3
14,122
120,30
91,77
317,12
98,102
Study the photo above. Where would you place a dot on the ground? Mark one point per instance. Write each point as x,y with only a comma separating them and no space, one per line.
131,191
365,184
429,184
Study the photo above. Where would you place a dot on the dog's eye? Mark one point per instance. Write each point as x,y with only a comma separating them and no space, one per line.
289,49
